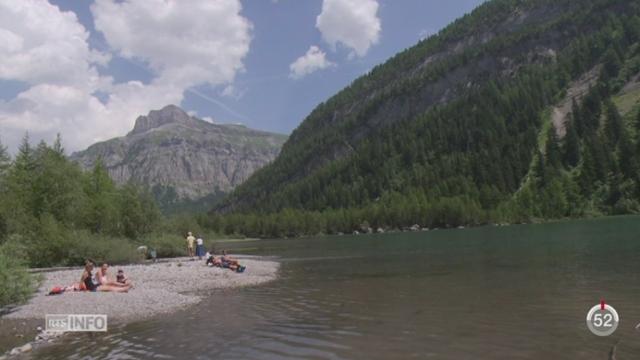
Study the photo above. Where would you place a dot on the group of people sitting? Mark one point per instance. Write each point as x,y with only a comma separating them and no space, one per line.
98,282
224,261
101,281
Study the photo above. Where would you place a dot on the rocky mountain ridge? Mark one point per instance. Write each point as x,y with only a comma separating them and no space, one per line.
183,158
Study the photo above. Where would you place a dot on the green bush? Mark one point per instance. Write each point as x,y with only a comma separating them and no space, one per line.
179,225
166,245
49,244
17,283
52,245
100,248
626,206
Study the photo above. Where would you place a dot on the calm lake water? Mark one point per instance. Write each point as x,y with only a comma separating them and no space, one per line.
517,292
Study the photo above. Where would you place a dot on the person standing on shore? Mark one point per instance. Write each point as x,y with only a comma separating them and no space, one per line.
190,241
199,248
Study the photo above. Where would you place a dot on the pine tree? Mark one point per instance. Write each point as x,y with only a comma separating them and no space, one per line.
612,63
600,155
18,198
538,171
588,173
5,163
57,146
626,157
102,209
22,173
5,159
575,116
553,155
637,130
25,157
613,124
138,211
614,194
591,110
637,126
553,200
571,147
632,29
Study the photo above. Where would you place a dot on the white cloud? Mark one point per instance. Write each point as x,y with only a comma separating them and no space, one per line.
45,109
186,44
314,60
232,91
38,43
352,23
48,50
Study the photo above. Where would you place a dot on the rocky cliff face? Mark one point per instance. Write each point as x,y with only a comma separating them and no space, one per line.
181,157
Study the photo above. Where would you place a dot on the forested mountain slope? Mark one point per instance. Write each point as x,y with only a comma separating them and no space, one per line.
512,112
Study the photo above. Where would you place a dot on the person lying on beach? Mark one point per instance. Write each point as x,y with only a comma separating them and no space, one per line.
213,260
103,278
87,283
230,263
228,259
224,261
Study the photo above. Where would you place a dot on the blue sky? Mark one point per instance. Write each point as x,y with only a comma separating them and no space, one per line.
251,82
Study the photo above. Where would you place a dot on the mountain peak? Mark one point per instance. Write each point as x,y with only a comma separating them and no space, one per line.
187,164
156,118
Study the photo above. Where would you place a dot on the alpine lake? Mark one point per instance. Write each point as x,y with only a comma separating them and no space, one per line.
493,292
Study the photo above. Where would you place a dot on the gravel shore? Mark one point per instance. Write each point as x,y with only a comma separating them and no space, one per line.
158,288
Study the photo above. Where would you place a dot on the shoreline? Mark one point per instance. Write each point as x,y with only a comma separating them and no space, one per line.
418,229
159,288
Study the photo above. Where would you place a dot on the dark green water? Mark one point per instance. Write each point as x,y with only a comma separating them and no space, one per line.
518,292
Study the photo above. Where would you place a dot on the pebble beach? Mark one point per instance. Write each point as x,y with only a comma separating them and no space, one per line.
158,288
